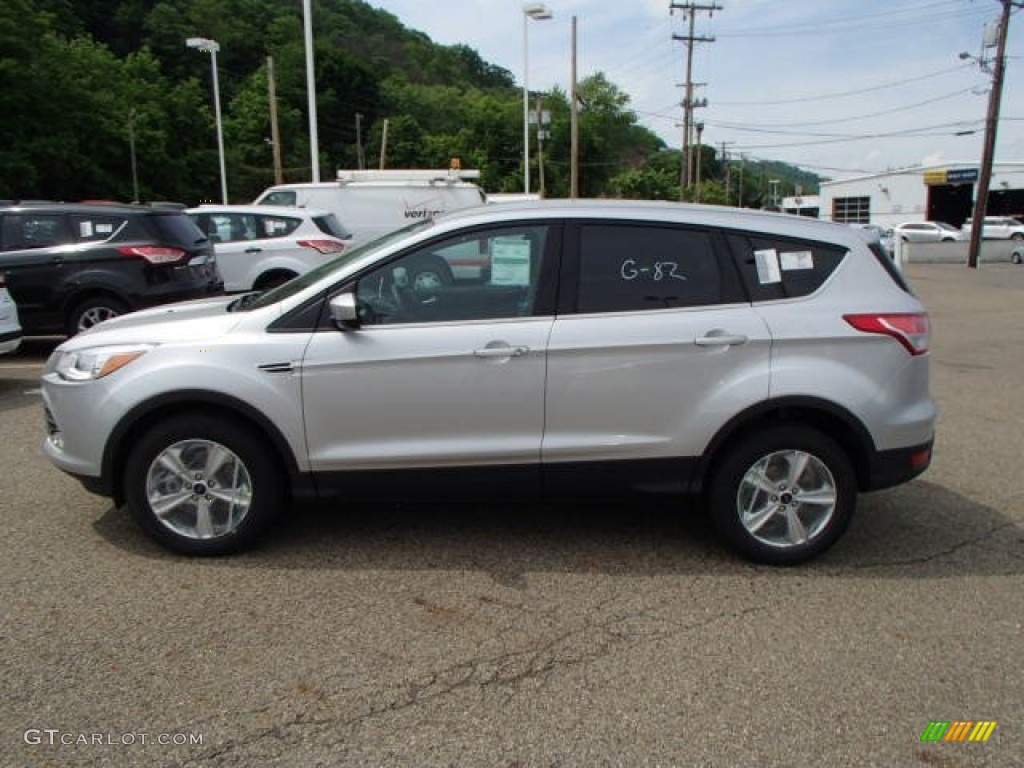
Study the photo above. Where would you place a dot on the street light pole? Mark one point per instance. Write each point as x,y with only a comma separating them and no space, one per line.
537,12
212,46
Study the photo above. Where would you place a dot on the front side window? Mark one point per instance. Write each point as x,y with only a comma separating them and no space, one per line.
280,197
628,268
483,275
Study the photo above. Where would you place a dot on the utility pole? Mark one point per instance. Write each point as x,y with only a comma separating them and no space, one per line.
728,170
991,125
383,143
690,8
574,123
275,131
360,157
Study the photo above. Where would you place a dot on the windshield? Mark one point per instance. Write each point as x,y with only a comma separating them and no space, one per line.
300,283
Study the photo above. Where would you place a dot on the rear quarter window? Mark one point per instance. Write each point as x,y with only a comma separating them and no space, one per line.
329,225
176,229
780,268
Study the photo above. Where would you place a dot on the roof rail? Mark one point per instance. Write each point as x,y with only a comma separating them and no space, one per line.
442,175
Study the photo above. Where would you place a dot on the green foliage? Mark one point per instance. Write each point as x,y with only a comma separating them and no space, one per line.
81,77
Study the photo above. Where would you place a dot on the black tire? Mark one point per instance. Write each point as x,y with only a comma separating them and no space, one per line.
1017,257
250,473
827,472
1017,236
94,310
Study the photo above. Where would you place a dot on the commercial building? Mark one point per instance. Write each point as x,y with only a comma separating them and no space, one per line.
927,193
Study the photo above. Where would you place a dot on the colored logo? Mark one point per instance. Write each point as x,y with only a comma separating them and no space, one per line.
958,730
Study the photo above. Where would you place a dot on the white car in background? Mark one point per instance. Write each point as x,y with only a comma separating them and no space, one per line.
999,228
260,246
927,232
10,327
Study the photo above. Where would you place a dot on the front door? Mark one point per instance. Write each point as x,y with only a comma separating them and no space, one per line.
441,372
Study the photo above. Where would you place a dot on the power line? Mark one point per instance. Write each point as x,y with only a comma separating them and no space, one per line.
843,94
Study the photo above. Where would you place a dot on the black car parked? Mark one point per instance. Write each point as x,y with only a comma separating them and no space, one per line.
72,265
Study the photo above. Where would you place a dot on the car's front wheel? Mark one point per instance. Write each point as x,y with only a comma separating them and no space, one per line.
203,485
783,495
1017,257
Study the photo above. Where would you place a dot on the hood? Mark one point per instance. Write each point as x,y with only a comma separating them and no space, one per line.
202,318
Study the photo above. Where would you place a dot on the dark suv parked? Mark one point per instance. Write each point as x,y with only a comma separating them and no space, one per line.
71,265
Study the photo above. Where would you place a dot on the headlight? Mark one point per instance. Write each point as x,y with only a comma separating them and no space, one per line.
95,363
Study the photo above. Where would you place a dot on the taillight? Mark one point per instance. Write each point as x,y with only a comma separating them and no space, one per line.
911,329
323,246
154,254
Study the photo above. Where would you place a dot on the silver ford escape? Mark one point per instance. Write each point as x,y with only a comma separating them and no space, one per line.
775,365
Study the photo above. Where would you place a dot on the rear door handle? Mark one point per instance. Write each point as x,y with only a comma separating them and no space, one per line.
253,250
505,351
720,339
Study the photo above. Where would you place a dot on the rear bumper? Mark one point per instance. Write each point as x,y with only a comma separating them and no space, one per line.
891,468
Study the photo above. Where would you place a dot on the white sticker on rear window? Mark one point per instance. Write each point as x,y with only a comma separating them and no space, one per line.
104,229
768,266
85,229
796,260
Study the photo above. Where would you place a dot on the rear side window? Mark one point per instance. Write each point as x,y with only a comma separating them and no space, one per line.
632,267
95,229
177,229
776,268
33,230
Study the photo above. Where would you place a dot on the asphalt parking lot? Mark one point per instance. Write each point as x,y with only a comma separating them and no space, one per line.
571,635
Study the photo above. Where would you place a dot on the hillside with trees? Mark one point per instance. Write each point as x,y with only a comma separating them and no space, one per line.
83,81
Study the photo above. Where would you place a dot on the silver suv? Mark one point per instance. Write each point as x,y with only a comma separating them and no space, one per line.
773,364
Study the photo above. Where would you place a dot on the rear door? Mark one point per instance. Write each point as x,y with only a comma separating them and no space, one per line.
653,350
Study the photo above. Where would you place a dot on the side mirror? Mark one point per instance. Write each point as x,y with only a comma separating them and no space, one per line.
344,312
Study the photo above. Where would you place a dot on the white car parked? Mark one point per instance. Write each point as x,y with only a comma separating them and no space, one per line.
999,228
259,247
927,232
10,327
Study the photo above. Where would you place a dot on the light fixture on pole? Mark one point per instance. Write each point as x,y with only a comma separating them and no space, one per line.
211,47
537,12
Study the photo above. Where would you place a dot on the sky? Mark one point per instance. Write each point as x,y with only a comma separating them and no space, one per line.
838,87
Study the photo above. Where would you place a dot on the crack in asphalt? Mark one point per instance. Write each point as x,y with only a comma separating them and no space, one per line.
584,644
936,555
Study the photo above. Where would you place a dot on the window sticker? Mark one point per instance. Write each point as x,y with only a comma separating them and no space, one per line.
510,261
791,260
768,266
104,228
85,229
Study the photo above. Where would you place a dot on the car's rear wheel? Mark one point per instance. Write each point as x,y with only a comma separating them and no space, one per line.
783,495
203,485
1018,236
93,311
1017,257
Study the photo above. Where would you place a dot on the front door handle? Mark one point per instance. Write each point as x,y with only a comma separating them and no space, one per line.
253,250
502,351
720,339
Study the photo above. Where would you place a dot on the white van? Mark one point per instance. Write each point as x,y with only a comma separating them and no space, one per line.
372,203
